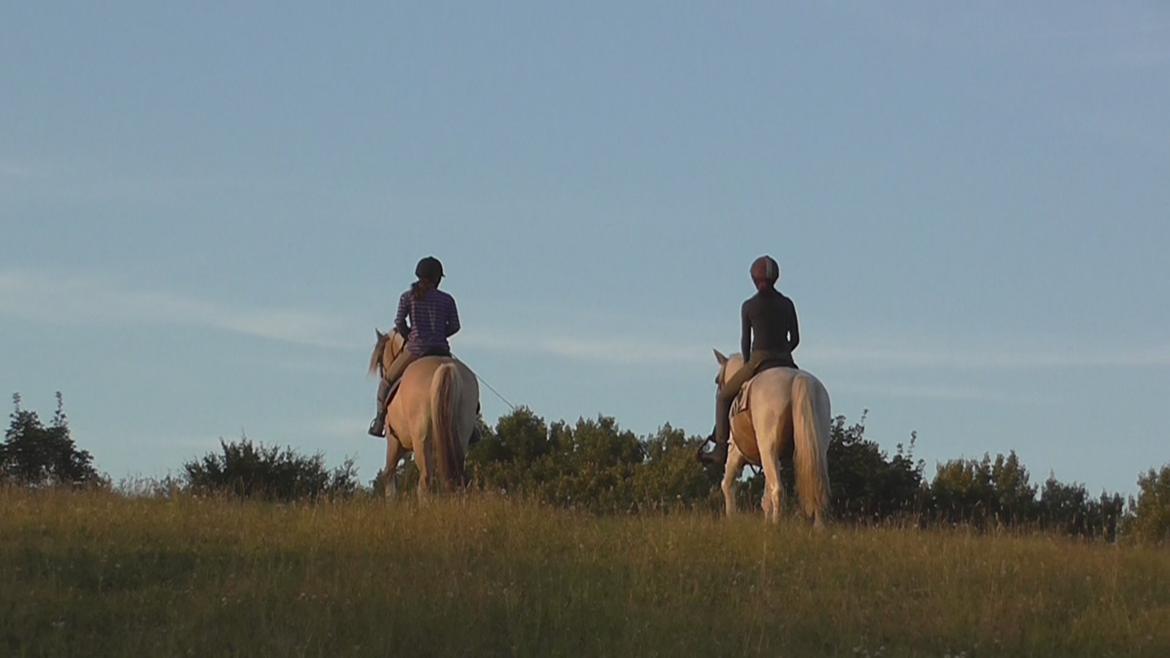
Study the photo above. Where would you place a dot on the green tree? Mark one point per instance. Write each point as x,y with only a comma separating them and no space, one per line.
867,484
37,455
1151,513
670,477
983,492
1068,509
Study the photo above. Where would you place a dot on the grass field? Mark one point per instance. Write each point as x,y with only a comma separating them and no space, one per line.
99,574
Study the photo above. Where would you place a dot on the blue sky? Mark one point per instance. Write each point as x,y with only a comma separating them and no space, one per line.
206,211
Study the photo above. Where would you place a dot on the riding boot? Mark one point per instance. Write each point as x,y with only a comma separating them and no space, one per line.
722,434
378,426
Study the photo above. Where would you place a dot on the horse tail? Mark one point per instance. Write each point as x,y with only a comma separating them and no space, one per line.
379,348
448,447
810,420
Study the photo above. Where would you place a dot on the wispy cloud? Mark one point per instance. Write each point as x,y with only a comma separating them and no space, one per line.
92,300
561,344
88,300
839,353
9,169
983,359
944,393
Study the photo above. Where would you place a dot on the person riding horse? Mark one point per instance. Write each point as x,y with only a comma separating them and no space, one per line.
770,335
427,317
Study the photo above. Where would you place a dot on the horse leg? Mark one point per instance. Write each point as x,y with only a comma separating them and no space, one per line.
735,462
423,461
773,487
390,477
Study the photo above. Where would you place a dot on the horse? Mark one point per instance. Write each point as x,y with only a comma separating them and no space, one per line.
787,410
433,414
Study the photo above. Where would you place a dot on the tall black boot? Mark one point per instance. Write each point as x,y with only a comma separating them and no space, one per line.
378,426
721,435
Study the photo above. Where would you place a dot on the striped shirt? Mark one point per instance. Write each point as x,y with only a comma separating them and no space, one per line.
433,319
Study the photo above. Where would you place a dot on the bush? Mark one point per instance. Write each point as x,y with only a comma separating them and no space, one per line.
249,470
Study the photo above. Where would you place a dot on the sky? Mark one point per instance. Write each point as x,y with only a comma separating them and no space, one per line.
206,210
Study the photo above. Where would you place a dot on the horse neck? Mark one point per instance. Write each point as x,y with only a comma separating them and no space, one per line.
733,365
395,343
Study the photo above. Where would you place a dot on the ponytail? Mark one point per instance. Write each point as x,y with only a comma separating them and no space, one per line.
418,290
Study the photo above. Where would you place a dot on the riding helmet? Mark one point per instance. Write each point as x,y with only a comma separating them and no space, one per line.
765,268
429,268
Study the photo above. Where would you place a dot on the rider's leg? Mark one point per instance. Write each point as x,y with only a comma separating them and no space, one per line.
378,425
392,375
723,400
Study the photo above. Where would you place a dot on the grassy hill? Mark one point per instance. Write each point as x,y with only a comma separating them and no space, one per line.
100,574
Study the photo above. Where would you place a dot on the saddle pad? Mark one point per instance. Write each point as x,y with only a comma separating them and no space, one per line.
741,404
743,433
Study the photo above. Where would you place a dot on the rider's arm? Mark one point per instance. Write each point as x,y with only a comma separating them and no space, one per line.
403,312
745,338
794,333
453,320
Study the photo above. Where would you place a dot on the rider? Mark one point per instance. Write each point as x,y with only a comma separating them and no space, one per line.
432,318
770,335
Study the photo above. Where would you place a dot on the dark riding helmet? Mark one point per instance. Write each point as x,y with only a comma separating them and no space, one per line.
766,269
429,268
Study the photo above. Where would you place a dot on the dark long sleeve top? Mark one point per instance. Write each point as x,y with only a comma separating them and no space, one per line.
769,324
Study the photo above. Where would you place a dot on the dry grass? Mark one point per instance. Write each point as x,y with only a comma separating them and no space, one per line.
98,574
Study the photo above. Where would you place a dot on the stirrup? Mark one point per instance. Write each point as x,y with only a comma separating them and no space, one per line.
709,457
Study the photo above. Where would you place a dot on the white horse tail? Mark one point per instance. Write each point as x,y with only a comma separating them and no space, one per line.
810,420
448,448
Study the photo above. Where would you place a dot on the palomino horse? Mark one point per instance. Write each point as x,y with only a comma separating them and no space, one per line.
788,412
433,415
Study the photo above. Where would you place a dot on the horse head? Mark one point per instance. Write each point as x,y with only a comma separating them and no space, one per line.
728,366
387,348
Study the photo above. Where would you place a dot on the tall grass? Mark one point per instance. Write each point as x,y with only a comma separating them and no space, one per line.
100,574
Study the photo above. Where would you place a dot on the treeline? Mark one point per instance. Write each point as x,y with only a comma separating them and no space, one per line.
594,465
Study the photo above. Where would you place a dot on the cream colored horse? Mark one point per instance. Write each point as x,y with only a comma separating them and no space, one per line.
433,415
789,412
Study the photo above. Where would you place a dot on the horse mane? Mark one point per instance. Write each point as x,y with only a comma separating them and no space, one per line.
376,358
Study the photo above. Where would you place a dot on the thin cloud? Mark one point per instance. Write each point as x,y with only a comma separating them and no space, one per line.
578,348
93,301
978,359
641,352
10,169
944,393
87,300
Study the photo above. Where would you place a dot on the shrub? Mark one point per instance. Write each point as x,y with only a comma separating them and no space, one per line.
250,470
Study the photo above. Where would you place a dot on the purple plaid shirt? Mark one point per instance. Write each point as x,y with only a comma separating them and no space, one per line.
433,319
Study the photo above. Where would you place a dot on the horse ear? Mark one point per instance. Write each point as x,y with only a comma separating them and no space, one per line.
720,358
378,333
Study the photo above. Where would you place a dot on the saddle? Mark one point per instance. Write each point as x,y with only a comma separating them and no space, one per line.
743,432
